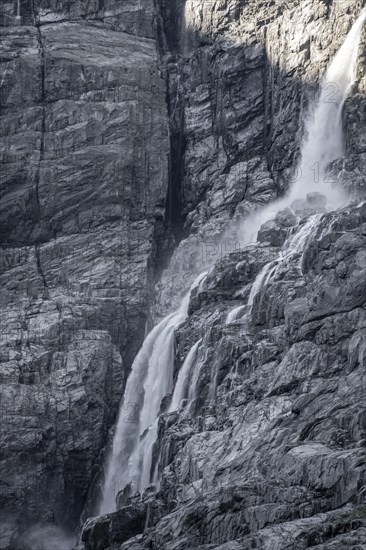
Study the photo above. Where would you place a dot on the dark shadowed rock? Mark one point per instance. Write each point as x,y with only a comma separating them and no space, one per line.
83,188
134,139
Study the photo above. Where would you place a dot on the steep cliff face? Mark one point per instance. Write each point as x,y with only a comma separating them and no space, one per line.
95,96
267,449
277,432
83,189
240,80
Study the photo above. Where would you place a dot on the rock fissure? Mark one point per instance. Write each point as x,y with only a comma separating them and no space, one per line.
182,119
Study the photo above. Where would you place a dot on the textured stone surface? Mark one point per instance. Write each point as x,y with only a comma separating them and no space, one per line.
83,186
272,453
240,82
274,456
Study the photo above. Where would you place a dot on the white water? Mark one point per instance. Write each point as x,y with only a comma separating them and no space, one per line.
294,246
323,140
193,385
181,386
151,375
323,143
235,314
185,30
150,379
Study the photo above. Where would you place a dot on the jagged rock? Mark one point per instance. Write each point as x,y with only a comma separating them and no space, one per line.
277,442
350,173
276,458
104,531
275,232
83,187
112,529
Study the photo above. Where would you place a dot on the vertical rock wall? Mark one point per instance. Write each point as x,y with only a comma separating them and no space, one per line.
95,96
84,177
241,76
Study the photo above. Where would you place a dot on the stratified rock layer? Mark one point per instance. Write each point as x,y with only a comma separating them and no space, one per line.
83,187
271,454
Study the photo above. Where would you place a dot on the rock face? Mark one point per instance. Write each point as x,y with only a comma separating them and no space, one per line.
137,136
83,187
240,79
278,432
271,454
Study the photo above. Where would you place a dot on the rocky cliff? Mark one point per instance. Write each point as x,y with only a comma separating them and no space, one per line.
241,79
83,189
271,454
136,137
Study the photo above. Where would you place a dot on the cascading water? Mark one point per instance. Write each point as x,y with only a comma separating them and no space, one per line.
150,379
235,314
324,134
293,247
181,386
186,35
323,139
323,143
151,376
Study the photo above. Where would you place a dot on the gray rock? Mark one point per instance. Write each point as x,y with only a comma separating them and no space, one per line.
272,453
95,95
84,154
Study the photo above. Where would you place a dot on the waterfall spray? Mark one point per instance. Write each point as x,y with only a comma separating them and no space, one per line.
151,376
323,136
150,379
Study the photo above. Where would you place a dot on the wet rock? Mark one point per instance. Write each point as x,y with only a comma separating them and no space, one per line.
276,231
112,529
95,95
274,441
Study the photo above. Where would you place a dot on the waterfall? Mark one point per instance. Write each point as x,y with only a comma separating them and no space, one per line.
323,142
182,384
151,376
294,247
324,133
323,136
18,18
235,314
150,379
184,33
187,34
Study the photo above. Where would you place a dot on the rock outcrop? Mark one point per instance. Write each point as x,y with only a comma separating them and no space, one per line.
83,188
271,453
136,136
